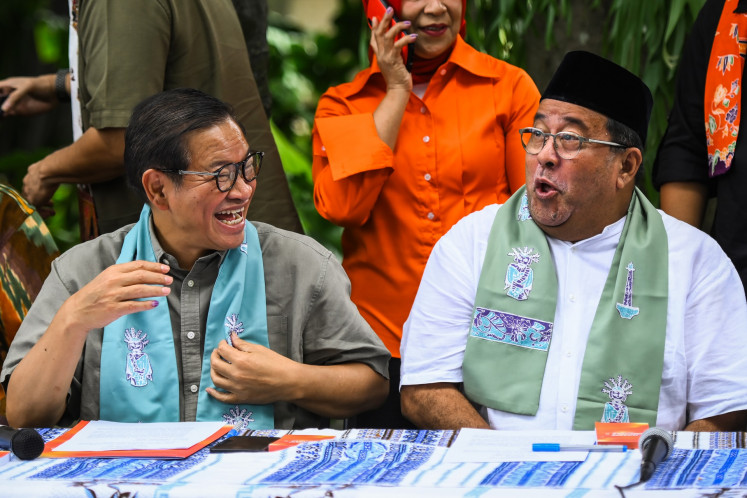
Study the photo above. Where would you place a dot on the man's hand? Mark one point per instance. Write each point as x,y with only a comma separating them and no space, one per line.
726,422
28,95
115,292
38,190
253,374
37,391
439,406
250,373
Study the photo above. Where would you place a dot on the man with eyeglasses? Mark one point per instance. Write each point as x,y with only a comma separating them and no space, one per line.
577,301
194,313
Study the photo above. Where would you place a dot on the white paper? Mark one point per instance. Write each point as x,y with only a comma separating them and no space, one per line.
485,445
100,435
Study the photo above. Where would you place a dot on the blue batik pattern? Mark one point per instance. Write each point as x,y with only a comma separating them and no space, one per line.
523,214
352,462
540,474
146,469
507,328
726,468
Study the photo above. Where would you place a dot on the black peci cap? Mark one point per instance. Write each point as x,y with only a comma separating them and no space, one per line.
591,81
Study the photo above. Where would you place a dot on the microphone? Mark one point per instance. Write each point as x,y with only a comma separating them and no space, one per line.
656,445
26,444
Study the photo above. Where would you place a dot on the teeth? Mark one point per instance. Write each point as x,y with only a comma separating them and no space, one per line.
236,213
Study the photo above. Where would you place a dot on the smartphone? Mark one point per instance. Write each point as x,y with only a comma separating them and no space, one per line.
377,9
243,443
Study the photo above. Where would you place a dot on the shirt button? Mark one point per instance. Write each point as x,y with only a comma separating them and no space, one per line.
323,147
431,216
572,298
190,335
569,354
193,388
443,72
426,139
564,408
191,283
423,110
427,177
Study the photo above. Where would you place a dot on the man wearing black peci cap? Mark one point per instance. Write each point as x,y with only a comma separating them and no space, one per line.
577,301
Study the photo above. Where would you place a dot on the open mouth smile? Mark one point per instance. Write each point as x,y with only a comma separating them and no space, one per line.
231,216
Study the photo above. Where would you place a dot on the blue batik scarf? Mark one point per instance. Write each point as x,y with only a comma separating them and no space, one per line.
139,378
512,324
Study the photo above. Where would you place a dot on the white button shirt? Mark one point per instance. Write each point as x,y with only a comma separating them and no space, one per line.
705,363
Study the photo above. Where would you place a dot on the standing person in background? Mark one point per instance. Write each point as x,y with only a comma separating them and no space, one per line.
400,157
122,52
702,153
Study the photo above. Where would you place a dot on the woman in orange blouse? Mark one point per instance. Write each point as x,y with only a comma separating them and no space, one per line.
399,157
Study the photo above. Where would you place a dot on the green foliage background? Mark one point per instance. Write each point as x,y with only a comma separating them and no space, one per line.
646,36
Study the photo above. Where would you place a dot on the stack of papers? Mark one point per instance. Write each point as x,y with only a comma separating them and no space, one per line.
100,438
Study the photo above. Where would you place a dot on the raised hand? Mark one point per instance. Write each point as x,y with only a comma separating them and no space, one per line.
388,50
117,291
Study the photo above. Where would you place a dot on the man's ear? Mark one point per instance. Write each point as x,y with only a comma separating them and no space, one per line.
631,160
155,185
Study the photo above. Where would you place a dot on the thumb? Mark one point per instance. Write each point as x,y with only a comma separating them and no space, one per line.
10,101
239,343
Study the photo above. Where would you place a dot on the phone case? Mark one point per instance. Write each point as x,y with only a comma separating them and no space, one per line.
243,443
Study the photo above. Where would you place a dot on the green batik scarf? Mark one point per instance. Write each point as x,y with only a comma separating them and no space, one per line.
512,325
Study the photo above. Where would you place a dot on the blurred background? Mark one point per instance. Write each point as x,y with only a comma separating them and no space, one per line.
315,44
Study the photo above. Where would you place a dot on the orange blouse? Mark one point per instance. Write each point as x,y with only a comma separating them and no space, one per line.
458,150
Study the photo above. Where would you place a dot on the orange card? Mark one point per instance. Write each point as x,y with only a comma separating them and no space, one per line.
290,440
620,433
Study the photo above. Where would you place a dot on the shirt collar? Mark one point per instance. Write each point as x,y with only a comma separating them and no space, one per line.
168,259
463,55
610,233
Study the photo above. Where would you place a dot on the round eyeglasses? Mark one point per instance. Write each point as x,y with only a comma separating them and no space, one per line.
567,144
226,175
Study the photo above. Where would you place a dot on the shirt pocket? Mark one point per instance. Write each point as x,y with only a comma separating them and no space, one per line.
277,334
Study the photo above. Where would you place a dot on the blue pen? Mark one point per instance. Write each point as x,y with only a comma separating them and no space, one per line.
578,447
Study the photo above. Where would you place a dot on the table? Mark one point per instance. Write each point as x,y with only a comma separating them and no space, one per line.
373,462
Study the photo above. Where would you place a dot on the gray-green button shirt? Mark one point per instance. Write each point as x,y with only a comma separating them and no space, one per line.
310,317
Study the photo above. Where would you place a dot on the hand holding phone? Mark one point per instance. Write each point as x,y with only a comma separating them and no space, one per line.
377,9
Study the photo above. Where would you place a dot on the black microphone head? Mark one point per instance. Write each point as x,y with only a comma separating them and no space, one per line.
27,444
655,432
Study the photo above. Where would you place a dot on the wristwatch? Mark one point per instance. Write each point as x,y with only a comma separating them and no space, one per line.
59,85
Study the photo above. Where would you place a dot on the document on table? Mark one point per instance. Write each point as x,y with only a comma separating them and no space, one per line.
100,435
485,445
